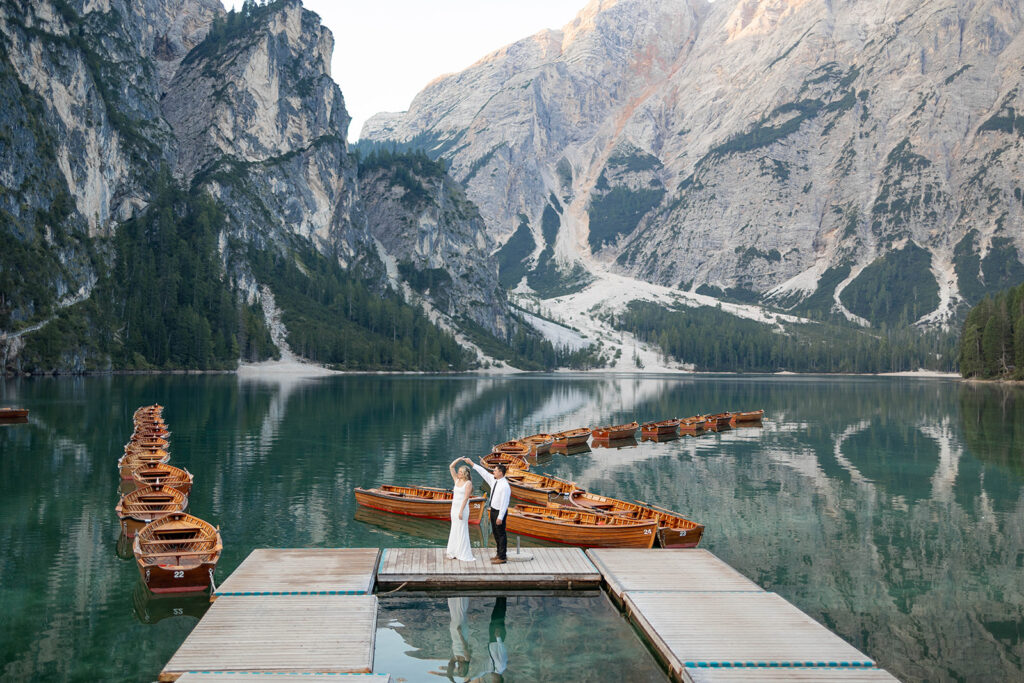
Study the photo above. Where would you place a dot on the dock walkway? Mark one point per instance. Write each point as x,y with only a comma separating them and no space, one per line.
429,569
708,623
312,611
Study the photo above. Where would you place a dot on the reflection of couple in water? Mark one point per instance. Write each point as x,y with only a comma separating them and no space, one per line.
459,665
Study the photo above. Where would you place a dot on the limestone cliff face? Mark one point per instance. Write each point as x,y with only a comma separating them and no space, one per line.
434,239
258,120
99,98
788,150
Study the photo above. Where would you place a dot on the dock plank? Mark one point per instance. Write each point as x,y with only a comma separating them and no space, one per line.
304,570
281,634
427,568
809,674
692,630
628,569
249,677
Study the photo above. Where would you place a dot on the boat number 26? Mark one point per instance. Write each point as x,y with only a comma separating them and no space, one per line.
179,574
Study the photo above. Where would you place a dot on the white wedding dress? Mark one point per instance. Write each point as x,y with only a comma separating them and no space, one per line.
459,547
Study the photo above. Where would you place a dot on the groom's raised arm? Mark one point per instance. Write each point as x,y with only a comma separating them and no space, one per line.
487,476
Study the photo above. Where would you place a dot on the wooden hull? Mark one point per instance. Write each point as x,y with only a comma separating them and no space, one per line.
417,507
669,537
663,428
168,475
639,535
573,437
539,444
128,464
751,416
541,490
717,423
176,578
509,461
177,554
674,530
614,433
13,413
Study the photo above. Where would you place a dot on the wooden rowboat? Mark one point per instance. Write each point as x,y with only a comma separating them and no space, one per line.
750,416
147,504
539,443
13,413
537,488
660,428
177,553
146,443
610,433
580,527
572,437
129,462
674,530
692,424
513,448
417,501
161,473
717,422
508,460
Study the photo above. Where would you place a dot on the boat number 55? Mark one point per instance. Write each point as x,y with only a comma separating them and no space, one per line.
179,574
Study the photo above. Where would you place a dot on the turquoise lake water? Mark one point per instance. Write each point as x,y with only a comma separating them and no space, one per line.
889,509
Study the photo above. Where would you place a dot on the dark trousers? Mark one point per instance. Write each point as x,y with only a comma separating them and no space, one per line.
500,539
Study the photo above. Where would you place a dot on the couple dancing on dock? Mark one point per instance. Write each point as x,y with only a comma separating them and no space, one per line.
459,547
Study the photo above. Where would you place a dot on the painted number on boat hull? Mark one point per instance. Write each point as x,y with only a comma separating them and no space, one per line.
179,574
647,532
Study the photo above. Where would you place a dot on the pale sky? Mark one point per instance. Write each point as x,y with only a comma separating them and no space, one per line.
386,51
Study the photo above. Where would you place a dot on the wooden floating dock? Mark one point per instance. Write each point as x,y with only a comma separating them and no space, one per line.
429,569
707,623
666,570
304,571
301,612
280,634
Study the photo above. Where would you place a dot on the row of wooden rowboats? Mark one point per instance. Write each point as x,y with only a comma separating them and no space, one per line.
175,551
557,510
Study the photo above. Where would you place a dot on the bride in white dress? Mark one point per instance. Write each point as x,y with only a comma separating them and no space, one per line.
459,547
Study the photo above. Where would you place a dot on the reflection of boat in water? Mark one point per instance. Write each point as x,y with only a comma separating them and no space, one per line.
153,607
615,432
573,526
417,501
402,527
659,438
674,530
577,449
628,442
124,547
178,553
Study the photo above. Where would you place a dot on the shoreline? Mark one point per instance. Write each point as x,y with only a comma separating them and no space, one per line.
299,370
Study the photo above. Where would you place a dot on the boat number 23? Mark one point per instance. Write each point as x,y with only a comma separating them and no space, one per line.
178,574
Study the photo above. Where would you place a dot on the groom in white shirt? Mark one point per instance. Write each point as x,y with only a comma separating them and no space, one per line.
500,495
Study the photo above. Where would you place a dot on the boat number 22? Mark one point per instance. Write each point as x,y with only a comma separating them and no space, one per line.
178,574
